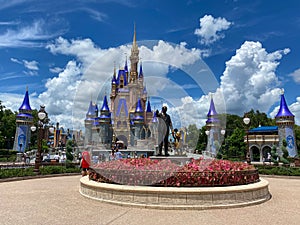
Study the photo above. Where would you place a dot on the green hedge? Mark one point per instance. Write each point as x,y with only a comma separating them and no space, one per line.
278,170
18,172
44,170
7,155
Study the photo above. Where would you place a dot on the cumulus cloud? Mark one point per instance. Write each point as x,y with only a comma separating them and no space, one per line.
60,90
249,79
296,76
211,28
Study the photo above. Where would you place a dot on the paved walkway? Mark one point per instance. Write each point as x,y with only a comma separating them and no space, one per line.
56,201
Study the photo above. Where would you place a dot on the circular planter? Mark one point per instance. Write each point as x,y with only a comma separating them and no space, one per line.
176,197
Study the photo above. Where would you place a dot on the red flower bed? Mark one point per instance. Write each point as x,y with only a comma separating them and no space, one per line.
196,173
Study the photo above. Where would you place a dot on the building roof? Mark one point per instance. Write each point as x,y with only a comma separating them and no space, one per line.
105,105
92,109
139,107
264,129
148,107
284,109
25,105
212,111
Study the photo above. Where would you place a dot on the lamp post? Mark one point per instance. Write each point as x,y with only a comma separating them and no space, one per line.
246,121
207,132
41,116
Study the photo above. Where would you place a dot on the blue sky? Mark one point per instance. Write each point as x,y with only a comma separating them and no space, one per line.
65,51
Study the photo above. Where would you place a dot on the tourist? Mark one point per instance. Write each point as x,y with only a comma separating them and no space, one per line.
56,157
118,154
269,157
85,163
164,126
112,155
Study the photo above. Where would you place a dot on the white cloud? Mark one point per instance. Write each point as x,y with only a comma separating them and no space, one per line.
249,80
296,76
28,36
56,70
210,29
31,65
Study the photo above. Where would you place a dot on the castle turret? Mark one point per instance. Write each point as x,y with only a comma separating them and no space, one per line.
24,121
134,59
285,121
213,129
89,121
105,124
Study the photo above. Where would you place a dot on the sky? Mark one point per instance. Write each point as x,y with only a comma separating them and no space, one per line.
240,53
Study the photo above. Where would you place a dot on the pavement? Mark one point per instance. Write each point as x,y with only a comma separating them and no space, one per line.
57,201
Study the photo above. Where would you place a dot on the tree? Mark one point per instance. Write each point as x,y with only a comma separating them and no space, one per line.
7,127
202,140
69,149
192,136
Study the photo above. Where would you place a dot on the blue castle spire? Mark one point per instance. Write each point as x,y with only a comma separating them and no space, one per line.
105,105
212,114
283,109
148,107
139,111
25,105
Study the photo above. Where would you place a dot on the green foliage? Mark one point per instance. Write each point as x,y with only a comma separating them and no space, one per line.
44,170
278,170
7,155
202,140
69,149
192,137
18,172
7,127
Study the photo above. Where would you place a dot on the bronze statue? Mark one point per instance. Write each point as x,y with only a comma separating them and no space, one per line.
164,126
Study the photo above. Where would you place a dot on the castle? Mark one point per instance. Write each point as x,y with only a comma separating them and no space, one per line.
129,118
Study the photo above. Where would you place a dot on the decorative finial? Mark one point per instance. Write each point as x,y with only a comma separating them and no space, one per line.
27,88
282,91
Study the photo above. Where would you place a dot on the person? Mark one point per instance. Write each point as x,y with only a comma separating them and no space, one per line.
56,157
85,163
112,155
269,157
165,124
118,154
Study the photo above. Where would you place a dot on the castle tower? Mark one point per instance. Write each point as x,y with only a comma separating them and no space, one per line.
134,59
89,122
127,90
285,121
213,129
24,121
105,125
